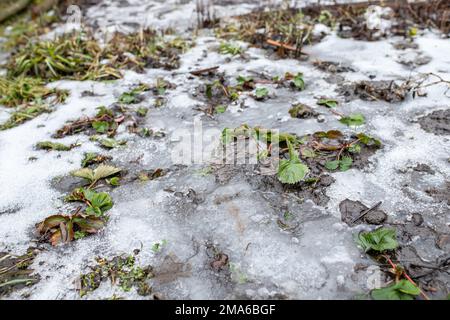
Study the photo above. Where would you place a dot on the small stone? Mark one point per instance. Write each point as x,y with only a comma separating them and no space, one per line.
375,217
443,242
340,281
417,219
321,118
421,167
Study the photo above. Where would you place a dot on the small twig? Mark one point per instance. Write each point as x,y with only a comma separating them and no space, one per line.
5,270
407,277
284,45
367,211
337,113
206,70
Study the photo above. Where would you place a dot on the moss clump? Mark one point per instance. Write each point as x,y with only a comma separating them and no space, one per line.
122,271
302,111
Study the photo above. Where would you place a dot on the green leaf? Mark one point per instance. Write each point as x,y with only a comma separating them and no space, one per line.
100,126
99,203
407,287
368,140
227,135
105,171
84,173
221,109
345,163
89,224
114,181
48,145
331,134
157,246
111,143
230,48
128,97
261,93
379,240
209,91
308,153
142,111
292,170
102,171
102,110
298,82
402,290
332,165
354,148
79,235
94,211
91,158
355,119
412,32
329,103
241,80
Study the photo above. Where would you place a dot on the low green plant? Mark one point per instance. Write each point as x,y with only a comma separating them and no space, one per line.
61,228
378,240
122,271
298,82
402,290
343,164
142,111
115,181
97,202
130,97
292,170
92,158
220,108
157,246
367,140
261,93
329,103
110,143
230,48
94,175
48,145
355,119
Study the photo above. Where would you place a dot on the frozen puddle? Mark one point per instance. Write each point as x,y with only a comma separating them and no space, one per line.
196,217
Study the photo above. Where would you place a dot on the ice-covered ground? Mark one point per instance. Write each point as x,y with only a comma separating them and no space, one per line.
315,261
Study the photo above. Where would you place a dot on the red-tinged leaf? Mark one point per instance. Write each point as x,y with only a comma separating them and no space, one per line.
55,238
334,134
51,222
89,224
70,232
63,230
